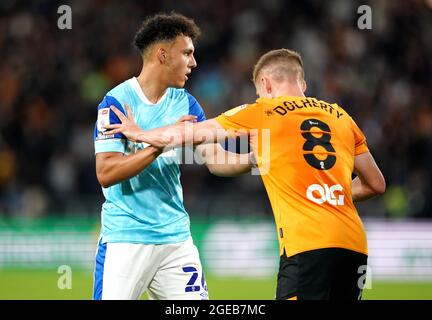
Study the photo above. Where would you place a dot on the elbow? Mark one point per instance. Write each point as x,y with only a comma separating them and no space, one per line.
212,169
380,187
216,171
105,185
381,190
106,169
103,180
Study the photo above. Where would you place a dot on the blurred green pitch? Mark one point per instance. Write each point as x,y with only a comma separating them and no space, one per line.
41,285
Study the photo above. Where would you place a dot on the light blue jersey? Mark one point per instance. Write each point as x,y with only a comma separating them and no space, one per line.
147,208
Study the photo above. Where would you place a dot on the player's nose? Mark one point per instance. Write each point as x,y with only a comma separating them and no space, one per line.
192,62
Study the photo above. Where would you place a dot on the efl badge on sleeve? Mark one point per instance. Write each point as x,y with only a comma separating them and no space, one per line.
233,111
103,119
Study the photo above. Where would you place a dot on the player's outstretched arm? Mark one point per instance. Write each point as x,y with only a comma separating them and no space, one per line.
179,134
219,161
369,181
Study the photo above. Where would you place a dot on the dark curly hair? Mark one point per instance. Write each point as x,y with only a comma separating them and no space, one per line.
164,27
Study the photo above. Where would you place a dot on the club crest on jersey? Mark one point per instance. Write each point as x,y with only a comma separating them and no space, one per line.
233,111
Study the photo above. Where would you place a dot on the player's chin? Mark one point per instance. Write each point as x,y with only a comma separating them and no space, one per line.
179,84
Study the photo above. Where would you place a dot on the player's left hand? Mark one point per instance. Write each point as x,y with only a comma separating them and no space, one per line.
127,127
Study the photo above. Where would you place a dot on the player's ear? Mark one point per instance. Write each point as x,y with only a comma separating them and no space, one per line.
161,55
267,85
304,85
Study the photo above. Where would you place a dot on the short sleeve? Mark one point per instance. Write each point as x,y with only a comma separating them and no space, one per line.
108,143
195,108
244,117
359,140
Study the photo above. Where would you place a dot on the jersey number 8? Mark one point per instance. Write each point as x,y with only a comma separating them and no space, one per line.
312,142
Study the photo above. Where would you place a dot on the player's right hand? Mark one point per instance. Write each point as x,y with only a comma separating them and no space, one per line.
127,127
187,118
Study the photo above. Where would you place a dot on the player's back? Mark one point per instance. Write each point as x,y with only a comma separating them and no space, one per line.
306,168
312,148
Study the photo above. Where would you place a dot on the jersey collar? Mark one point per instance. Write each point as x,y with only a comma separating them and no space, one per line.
137,88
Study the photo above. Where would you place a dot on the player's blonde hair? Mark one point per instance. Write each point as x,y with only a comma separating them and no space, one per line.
280,64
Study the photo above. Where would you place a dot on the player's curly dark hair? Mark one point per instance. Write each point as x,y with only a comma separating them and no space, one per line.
164,27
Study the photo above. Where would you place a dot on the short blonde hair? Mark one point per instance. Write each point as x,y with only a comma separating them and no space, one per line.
281,63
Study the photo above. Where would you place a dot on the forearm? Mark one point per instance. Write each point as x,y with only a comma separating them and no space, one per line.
369,181
361,191
169,136
229,170
118,168
224,163
172,136
183,134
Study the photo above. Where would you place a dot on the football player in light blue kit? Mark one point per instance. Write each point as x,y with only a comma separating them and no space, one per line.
145,242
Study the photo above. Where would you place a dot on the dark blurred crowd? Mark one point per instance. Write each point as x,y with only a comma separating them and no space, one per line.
52,80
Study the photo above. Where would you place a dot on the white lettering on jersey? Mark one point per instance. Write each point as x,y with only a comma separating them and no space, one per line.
326,193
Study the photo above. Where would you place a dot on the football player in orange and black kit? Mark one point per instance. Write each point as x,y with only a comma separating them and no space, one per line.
306,164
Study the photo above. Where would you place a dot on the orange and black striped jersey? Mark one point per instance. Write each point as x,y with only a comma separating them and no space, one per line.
305,152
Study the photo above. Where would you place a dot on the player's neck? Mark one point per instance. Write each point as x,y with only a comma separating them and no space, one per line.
152,87
289,93
289,90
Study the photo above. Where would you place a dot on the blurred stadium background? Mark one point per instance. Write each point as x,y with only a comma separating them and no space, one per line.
51,81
